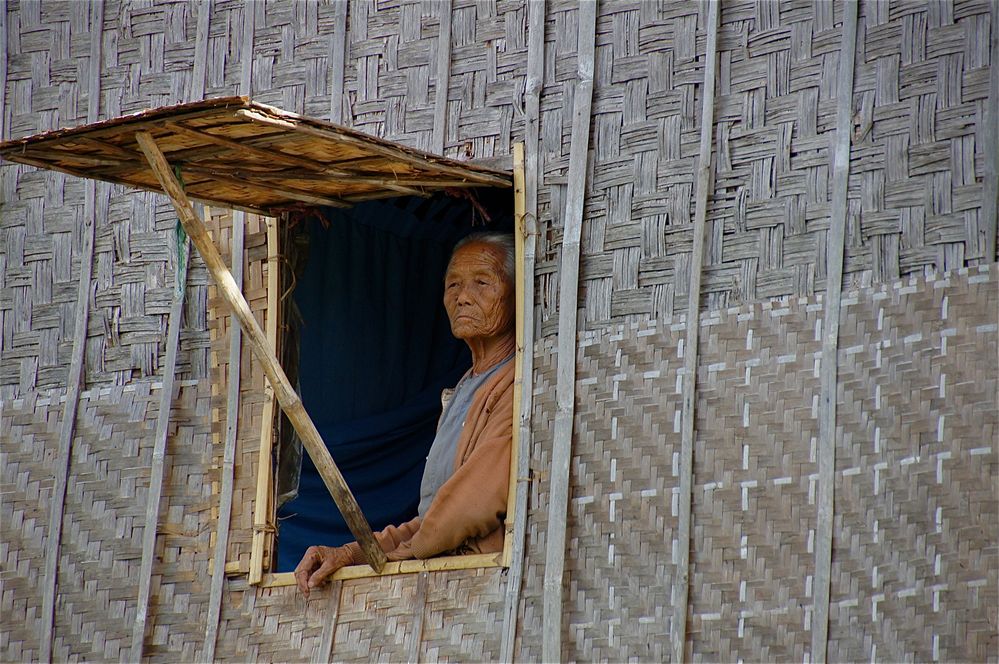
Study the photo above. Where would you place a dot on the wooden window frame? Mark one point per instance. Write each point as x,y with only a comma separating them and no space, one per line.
264,532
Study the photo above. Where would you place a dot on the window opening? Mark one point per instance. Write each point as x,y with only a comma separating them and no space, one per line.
374,353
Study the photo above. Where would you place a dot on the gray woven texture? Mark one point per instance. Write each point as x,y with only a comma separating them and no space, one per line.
914,560
915,567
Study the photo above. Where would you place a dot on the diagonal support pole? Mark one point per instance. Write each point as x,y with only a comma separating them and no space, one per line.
291,404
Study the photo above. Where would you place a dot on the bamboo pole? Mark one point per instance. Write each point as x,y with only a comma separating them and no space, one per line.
830,337
338,55
228,469
323,654
159,452
518,373
527,232
419,614
290,403
265,489
681,585
75,376
565,389
3,69
443,78
990,132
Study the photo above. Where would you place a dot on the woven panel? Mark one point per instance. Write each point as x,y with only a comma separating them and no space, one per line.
271,625
463,614
917,154
914,563
753,504
914,559
100,551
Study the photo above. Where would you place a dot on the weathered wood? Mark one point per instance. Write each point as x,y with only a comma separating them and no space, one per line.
338,54
376,148
199,73
159,452
265,490
527,242
419,612
443,78
320,171
289,400
228,468
830,335
444,564
324,653
4,129
681,584
75,376
990,132
558,495
518,372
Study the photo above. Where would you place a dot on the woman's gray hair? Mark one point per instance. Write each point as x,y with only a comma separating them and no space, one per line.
502,241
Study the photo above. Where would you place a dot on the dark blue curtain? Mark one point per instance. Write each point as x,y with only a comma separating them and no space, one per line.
376,350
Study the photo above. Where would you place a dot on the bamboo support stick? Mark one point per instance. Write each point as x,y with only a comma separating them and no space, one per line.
527,158
265,488
228,469
443,79
75,376
565,390
290,403
681,585
830,336
159,452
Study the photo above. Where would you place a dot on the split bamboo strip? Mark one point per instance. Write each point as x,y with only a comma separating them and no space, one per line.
990,132
830,336
324,653
199,75
228,469
76,369
681,583
338,54
4,129
233,377
419,613
558,494
518,372
443,78
527,229
159,452
262,502
196,91
289,400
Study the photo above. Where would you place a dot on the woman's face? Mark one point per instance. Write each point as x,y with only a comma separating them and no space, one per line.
477,295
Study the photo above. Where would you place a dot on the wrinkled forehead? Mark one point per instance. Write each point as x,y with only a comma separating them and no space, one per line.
478,256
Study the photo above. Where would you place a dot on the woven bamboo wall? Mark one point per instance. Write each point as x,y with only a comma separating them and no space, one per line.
915,208
915,568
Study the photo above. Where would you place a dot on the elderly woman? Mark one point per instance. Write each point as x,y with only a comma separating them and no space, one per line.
463,495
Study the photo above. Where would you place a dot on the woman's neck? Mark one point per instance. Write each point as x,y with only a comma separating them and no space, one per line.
487,353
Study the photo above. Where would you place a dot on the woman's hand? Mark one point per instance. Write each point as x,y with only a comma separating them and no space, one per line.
318,564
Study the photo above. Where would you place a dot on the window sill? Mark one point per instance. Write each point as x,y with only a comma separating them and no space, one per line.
473,561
